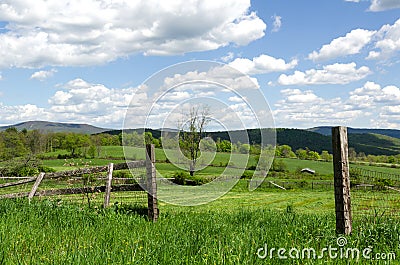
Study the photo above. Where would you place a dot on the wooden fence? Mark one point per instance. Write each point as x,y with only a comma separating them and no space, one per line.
150,184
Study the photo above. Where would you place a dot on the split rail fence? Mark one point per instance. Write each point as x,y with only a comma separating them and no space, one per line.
144,184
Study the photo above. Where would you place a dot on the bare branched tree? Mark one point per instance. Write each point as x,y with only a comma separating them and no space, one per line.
191,131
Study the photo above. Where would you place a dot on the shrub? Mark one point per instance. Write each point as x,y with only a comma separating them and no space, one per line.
46,169
22,167
67,156
279,166
302,184
355,174
253,167
381,184
246,175
128,209
180,177
199,180
121,174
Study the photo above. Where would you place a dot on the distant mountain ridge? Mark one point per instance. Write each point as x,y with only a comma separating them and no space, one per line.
326,130
56,127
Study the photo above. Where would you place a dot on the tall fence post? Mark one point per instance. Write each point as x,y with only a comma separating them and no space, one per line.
151,183
107,194
341,180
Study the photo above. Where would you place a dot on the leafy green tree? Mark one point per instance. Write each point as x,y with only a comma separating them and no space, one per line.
91,151
301,154
223,146
243,148
73,143
361,156
2,148
156,142
278,166
14,145
326,156
255,149
208,144
148,138
285,151
391,159
191,133
133,139
96,141
312,155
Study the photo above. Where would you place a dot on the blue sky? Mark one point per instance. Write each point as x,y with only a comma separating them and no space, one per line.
317,62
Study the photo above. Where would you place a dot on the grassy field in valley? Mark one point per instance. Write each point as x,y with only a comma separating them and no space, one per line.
50,232
229,230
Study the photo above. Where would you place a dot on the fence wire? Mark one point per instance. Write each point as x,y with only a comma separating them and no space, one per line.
136,199
374,193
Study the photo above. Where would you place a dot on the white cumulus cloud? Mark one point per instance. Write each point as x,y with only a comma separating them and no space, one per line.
20,113
228,57
371,105
43,75
352,43
330,74
388,42
262,64
374,93
75,33
381,5
298,96
304,109
277,23
81,101
381,101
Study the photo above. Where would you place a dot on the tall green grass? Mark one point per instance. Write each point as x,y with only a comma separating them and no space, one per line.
45,232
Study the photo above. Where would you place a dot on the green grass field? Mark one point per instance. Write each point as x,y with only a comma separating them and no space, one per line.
115,154
229,230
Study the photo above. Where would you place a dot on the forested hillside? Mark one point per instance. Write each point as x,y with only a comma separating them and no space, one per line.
326,130
367,141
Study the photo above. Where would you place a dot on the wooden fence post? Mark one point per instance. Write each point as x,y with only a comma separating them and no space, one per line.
108,185
151,183
35,186
341,180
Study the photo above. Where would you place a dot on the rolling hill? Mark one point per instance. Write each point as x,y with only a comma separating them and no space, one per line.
56,127
369,143
326,130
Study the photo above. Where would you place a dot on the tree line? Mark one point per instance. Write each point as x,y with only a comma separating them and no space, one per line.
14,143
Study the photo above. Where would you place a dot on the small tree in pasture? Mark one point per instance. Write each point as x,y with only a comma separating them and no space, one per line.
191,132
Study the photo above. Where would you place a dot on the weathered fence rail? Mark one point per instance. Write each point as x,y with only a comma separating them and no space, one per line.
150,183
19,182
78,172
97,169
71,191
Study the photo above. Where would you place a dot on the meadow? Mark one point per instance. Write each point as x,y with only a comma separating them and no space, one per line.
115,154
52,232
230,230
